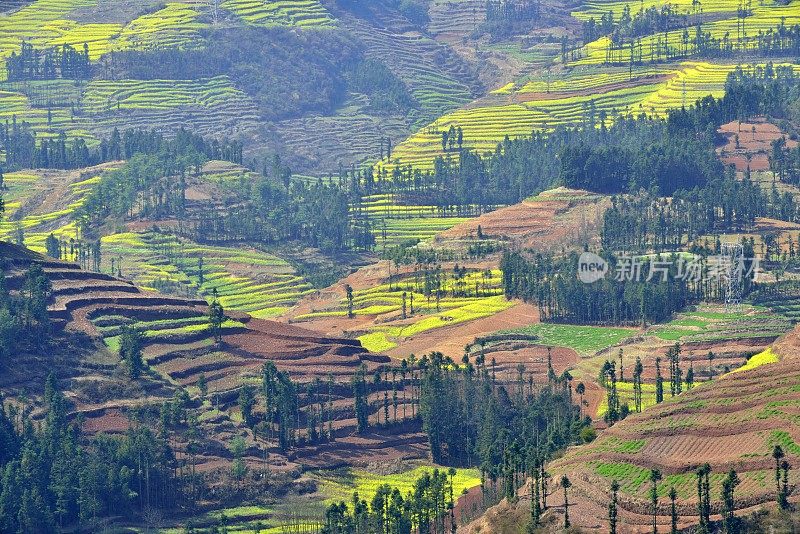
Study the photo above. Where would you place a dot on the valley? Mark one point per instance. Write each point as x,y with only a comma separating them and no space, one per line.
315,266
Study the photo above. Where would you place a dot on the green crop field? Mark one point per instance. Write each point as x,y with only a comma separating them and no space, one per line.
17,105
762,20
176,25
749,322
302,13
649,90
258,283
46,23
598,8
625,392
478,294
516,116
393,222
340,484
584,340
36,227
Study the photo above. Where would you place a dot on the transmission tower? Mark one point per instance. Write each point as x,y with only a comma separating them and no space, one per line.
733,277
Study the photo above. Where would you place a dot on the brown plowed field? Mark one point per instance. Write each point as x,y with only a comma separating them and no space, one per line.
104,397
451,340
755,139
560,217
731,423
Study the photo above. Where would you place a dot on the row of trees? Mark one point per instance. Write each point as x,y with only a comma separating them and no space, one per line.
645,222
779,41
428,507
634,291
785,161
268,212
608,378
49,63
729,521
644,22
22,151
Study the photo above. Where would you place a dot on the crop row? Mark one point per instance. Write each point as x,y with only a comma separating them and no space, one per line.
303,13
245,280
485,126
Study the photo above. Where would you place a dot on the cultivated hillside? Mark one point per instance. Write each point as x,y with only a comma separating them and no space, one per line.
89,310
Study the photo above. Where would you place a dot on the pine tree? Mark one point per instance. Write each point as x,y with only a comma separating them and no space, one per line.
778,455
566,484
659,382
130,351
202,386
246,402
728,502
360,399
612,508
637,385
703,498
536,509
216,318
655,476
673,511
349,292
53,247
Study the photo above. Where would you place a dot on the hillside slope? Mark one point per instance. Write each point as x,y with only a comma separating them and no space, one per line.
732,423
88,311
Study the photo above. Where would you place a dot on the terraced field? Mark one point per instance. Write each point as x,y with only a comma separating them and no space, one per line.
89,110
718,325
339,485
477,294
46,123
351,134
261,284
106,95
47,23
596,9
764,18
302,13
394,222
733,423
243,279
43,202
517,110
436,76
453,19
585,340
178,349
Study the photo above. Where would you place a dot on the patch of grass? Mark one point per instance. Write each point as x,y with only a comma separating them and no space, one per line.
585,340
782,438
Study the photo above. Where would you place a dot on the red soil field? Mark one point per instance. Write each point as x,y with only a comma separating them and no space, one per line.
571,218
755,140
